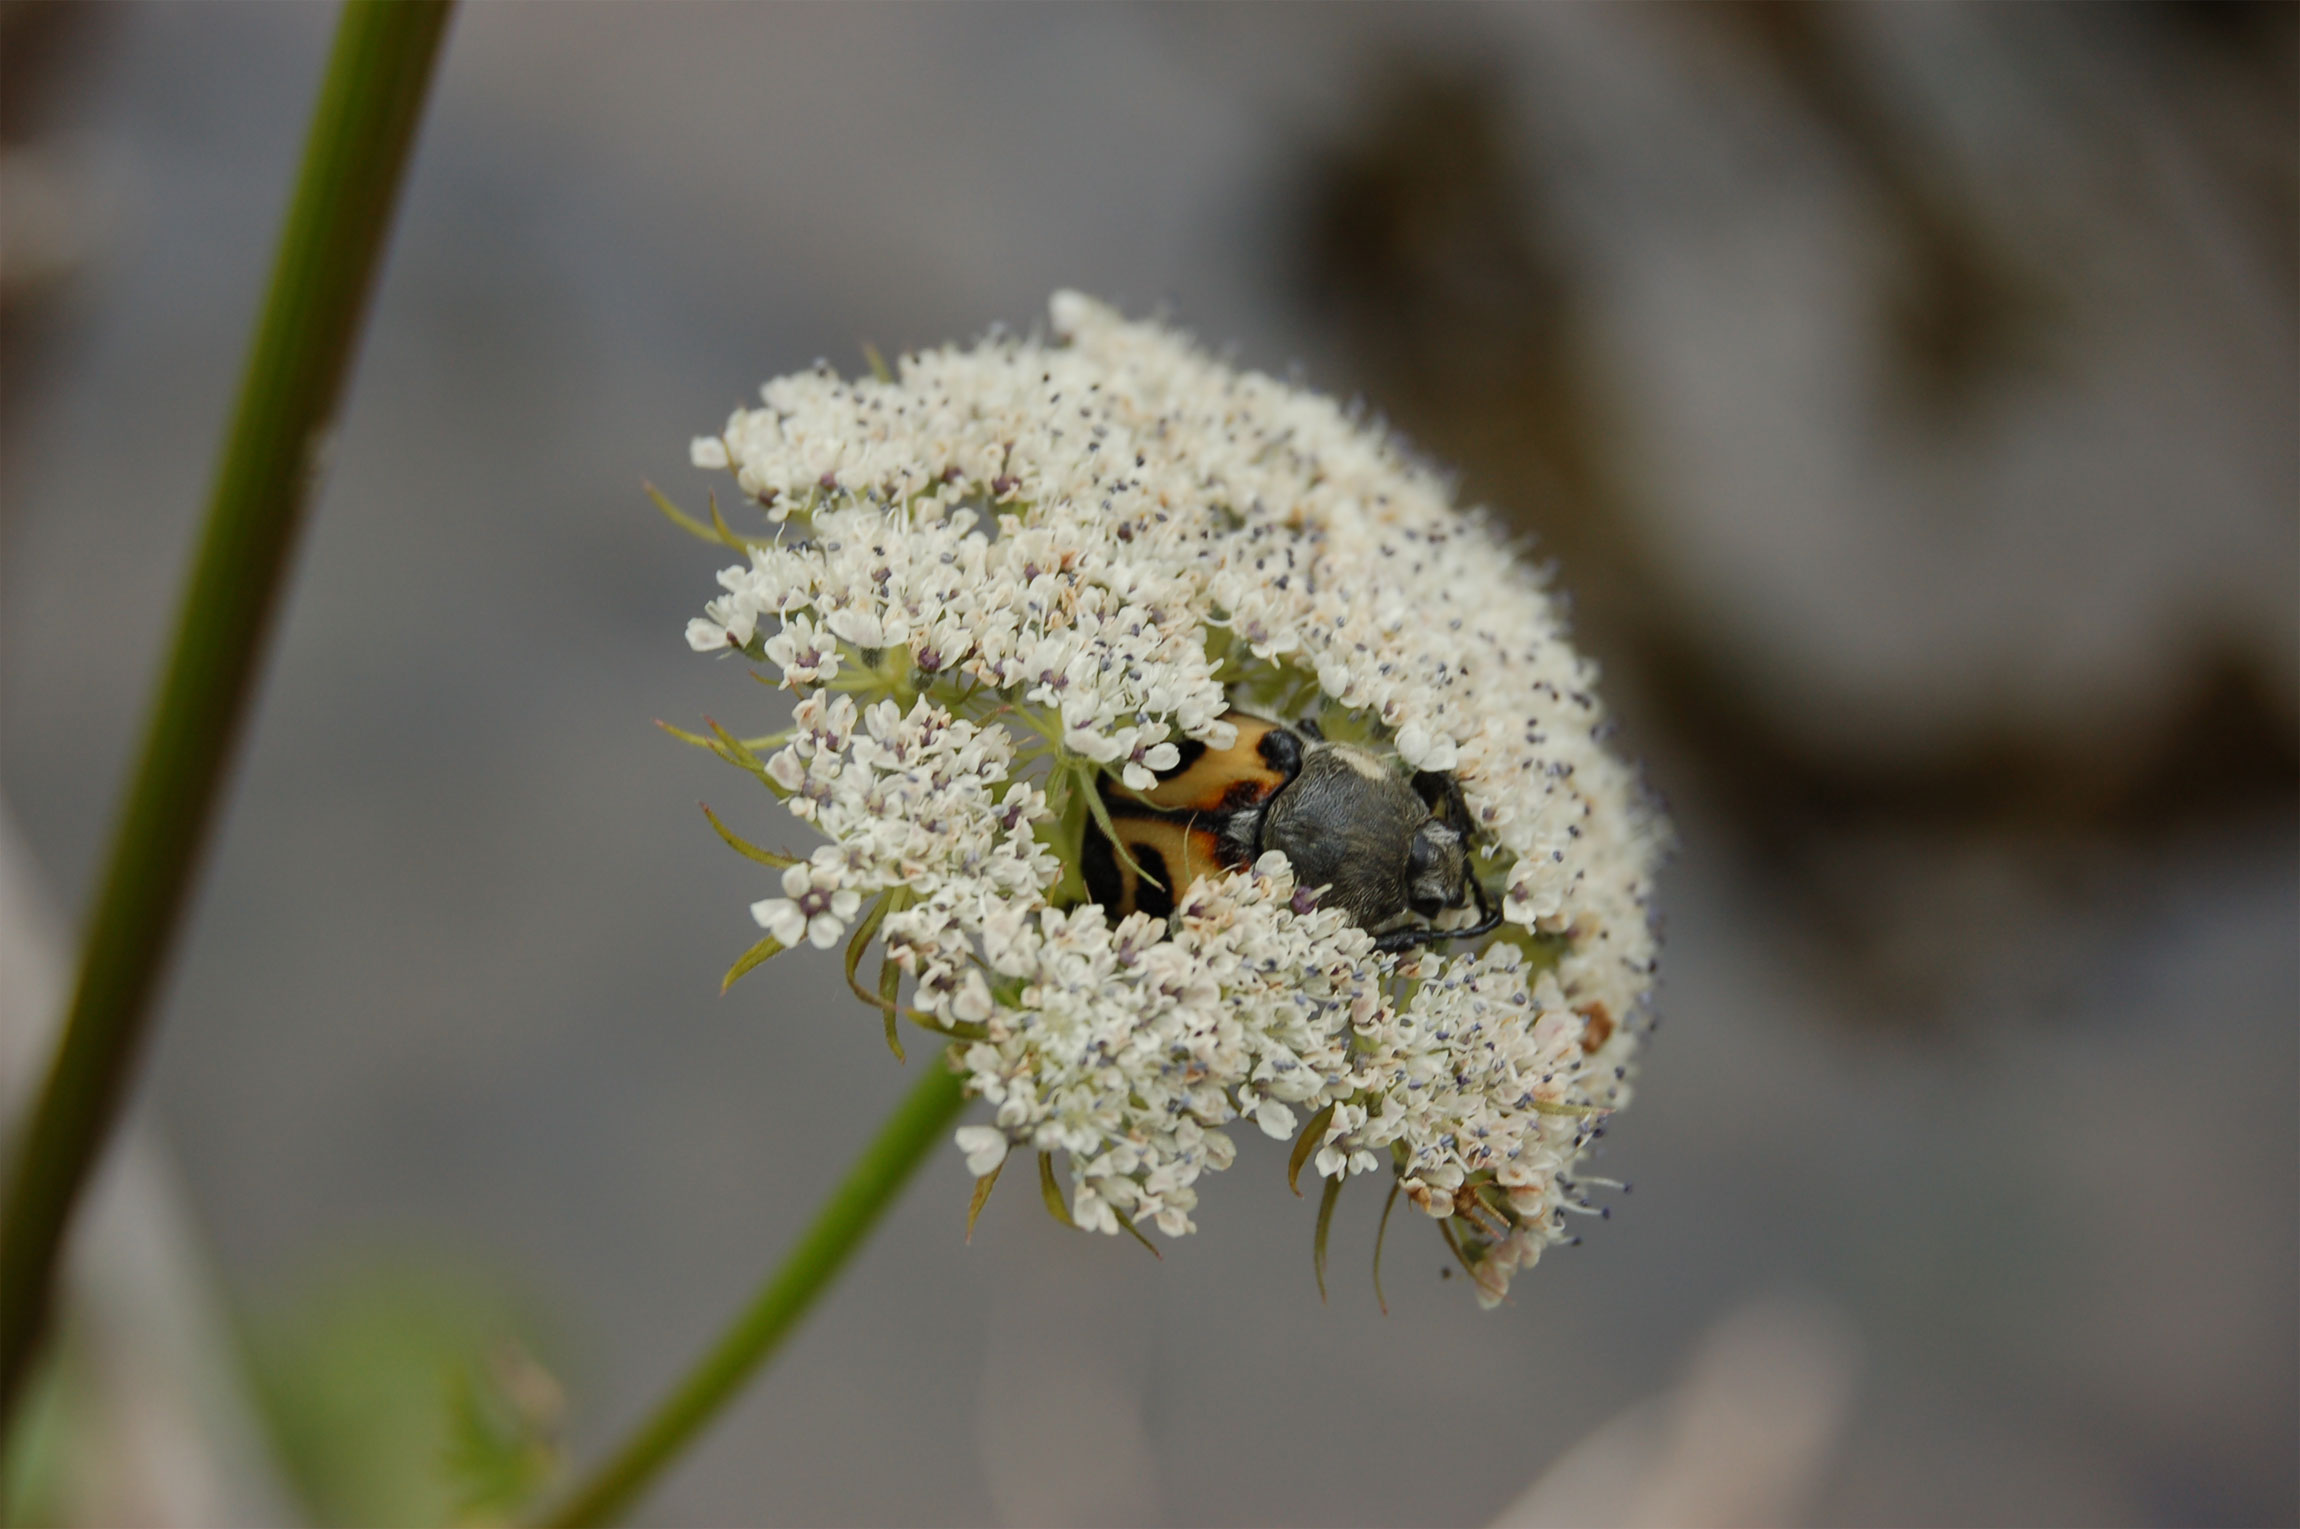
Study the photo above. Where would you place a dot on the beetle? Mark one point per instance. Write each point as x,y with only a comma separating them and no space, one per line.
1389,850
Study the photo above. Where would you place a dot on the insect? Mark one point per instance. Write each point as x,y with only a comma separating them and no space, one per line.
1392,853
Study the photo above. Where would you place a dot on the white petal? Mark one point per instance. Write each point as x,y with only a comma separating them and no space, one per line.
780,917
1092,1215
823,931
1070,312
984,1146
857,626
796,880
1275,1119
973,1001
708,452
1094,746
706,636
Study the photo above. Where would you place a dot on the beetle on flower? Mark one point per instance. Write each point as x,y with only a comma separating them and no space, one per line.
1017,589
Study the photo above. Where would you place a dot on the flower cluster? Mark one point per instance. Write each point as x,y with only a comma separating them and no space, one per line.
1015,576
918,801
1127,1045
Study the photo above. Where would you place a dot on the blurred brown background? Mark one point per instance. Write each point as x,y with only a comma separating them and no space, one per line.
1907,395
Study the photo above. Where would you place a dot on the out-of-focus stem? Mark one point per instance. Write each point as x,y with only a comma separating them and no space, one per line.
921,1120
369,104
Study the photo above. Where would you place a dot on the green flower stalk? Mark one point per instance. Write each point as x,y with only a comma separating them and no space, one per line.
844,1221
369,105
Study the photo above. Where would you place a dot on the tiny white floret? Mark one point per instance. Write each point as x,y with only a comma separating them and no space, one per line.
984,1146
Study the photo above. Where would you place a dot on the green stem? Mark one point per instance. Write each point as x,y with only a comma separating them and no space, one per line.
839,1228
368,107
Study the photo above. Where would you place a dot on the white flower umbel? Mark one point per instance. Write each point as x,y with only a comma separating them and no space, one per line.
1012,570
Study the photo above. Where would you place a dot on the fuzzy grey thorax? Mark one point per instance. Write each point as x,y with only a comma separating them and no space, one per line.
1346,822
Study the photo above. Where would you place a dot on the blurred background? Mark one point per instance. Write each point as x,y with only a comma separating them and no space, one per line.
1907,395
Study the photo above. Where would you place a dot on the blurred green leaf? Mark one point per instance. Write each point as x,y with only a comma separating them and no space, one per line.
373,1384
503,1448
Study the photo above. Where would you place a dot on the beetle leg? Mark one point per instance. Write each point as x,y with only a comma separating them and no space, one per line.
1488,920
1488,916
1442,794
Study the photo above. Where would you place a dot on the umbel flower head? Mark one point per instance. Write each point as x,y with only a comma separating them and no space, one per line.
1017,589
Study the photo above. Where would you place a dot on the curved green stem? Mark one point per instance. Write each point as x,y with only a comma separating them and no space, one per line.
365,121
922,1119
